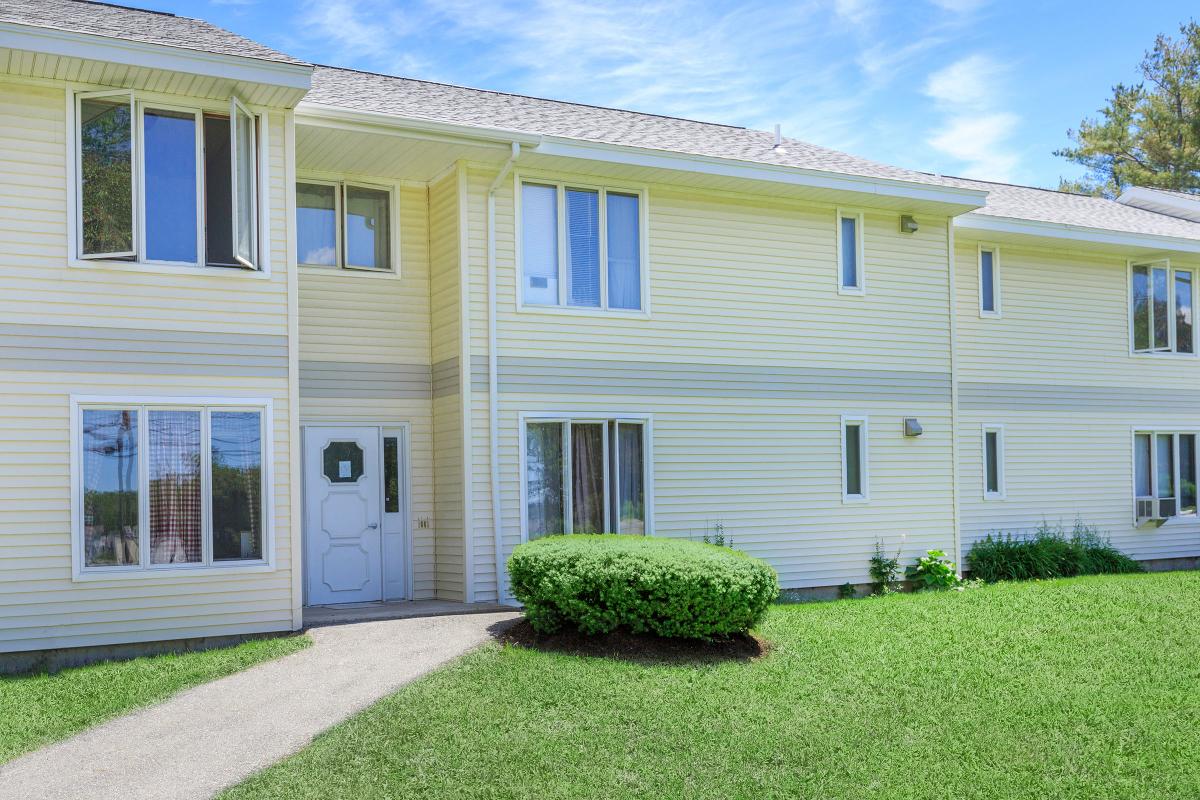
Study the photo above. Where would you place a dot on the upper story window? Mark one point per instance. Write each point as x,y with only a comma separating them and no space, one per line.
1161,303
989,281
851,279
581,247
341,224
166,184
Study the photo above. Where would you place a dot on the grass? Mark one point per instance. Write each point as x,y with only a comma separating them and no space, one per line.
40,708
1078,688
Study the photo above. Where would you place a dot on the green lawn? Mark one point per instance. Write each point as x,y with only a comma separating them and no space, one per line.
1081,688
42,708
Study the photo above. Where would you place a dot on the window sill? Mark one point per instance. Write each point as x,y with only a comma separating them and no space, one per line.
365,272
854,499
1159,354
167,269
994,496
851,291
169,573
583,311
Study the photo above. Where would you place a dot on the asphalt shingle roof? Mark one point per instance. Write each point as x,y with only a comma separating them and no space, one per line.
137,25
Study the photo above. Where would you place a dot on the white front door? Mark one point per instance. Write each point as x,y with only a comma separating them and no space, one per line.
343,515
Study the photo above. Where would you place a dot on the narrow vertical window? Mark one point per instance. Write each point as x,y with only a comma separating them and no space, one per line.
629,462
110,488
1143,460
1184,340
1164,465
245,193
993,462
367,226
849,253
854,458
1162,304
1140,299
106,176
218,193
539,243
583,248
544,479
624,252
1187,473
316,224
237,485
987,282
175,492
169,177
588,489
391,475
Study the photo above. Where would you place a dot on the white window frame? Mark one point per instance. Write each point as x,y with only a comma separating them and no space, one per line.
1171,352
611,475
1154,431
340,183
137,261
864,449
144,570
860,260
561,186
1001,486
995,311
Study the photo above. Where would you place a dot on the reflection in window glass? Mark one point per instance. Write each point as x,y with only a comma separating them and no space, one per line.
1141,308
106,174
849,252
631,490
391,475
342,462
1183,312
587,478
368,242
175,508
1162,325
544,477
110,488
853,445
992,442
987,275
1187,473
237,479
316,224
169,157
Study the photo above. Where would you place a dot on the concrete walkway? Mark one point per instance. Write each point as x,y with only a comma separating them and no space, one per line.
212,736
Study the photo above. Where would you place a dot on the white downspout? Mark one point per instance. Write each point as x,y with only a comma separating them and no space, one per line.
493,368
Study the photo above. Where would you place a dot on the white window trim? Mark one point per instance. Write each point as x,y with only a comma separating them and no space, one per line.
1171,334
860,261
1154,431
996,302
1002,486
340,183
145,571
576,417
864,457
140,263
561,185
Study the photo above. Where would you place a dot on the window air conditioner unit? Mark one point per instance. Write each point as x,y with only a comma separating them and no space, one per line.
1153,510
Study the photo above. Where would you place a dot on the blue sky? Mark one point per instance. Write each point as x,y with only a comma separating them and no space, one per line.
983,88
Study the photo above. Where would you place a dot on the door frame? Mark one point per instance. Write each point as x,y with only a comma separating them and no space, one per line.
405,454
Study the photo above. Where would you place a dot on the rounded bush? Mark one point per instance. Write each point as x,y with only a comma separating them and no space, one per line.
670,587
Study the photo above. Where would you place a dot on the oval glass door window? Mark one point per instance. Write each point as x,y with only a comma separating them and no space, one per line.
343,462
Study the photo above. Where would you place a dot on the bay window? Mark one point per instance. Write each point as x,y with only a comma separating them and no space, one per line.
171,486
1161,303
585,476
1164,474
165,184
340,224
581,247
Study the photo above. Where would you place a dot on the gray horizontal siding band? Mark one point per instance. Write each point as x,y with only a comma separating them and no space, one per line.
1048,397
350,379
73,348
445,377
576,376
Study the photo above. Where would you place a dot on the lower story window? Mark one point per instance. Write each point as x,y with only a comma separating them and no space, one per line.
171,486
585,476
1164,474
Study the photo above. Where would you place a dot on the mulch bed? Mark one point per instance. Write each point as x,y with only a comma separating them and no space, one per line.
639,647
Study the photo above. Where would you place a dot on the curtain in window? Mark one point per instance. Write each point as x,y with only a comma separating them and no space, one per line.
1142,459
587,478
544,479
110,488
624,252
631,491
236,438
583,248
175,510
539,243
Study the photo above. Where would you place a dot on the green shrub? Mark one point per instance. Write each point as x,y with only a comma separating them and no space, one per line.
885,569
670,587
1049,553
933,571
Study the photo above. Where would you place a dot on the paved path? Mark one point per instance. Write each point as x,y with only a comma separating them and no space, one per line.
212,736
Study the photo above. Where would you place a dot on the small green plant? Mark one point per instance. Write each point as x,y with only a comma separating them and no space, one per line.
934,570
718,537
847,591
885,570
1051,552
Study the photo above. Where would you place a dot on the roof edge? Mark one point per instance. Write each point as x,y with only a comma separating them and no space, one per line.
90,46
645,157
1171,204
991,223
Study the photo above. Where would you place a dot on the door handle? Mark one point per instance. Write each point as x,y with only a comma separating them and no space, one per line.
373,525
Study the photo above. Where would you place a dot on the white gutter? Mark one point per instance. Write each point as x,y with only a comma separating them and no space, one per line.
1076,233
94,47
493,370
309,113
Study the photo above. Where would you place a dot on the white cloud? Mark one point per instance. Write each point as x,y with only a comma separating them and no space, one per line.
853,11
969,82
960,6
975,131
